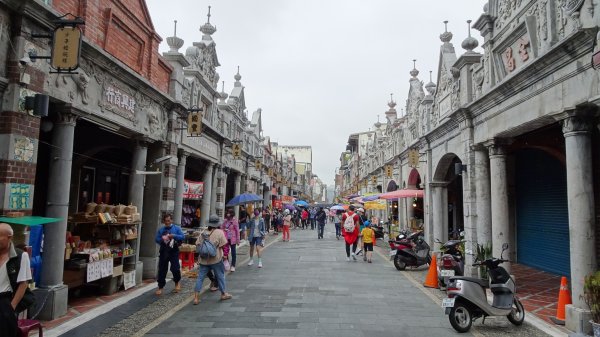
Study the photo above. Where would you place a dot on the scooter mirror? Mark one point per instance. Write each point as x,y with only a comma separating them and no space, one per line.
504,246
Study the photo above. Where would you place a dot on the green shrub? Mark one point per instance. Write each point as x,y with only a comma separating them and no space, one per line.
591,290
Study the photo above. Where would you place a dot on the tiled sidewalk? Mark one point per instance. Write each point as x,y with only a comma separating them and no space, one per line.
537,290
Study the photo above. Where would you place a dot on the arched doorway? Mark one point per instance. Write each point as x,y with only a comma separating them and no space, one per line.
392,204
414,206
448,215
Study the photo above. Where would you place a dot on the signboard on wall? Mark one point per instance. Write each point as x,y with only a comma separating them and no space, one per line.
287,199
193,189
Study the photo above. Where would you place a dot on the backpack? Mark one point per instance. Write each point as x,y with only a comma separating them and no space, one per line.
349,223
206,249
13,267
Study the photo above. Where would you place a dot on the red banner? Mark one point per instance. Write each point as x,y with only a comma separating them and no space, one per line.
277,204
287,199
193,189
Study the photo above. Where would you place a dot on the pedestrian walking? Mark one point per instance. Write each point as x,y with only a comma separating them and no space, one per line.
305,219
15,273
242,219
312,216
267,217
321,218
256,236
350,219
169,237
368,238
208,263
232,233
361,223
337,220
287,223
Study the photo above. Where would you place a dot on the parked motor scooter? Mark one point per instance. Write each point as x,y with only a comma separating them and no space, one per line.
467,299
451,262
378,229
409,251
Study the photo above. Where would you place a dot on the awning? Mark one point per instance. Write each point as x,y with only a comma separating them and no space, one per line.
29,220
402,194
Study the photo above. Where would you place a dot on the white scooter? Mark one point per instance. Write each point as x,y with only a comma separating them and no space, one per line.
467,300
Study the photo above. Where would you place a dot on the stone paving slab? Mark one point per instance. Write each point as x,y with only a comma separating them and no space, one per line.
307,288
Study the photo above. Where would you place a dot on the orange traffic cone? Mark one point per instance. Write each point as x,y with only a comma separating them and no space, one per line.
564,298
431,281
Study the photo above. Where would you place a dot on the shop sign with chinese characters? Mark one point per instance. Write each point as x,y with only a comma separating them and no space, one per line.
120,102
516,54
66,46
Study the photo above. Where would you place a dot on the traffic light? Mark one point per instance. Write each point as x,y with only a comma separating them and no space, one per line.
236,149
388,171
194,124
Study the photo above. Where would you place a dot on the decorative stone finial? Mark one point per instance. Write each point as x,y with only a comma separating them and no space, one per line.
470,42
446,36
391,103
174,42
430,87
207,28
414,73
223,95
237,76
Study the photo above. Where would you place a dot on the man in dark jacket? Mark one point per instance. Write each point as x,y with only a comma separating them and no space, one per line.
169,237
321,218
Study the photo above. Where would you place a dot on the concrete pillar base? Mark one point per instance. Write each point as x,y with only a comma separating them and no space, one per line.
139,270
56,302
150,266
578,320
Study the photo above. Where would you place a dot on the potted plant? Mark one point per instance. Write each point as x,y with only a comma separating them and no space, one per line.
484,252
591,290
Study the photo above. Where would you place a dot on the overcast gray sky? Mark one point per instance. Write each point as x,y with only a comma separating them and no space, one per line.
320,69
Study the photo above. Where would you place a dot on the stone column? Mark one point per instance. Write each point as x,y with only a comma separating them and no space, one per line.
437,195
499,202
213,192
237,187
206,198
136,190
577,130
410,211
482,192
59,182
179,186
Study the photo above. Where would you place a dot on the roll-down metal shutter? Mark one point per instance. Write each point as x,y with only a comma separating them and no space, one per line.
542,212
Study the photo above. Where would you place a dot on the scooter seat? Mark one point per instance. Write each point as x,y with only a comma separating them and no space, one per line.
481,282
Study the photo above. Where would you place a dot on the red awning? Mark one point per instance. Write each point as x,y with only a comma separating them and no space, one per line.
402,194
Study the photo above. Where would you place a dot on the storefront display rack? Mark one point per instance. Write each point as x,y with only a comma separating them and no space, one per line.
119,241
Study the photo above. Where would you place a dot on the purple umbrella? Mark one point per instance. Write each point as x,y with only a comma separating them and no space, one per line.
289,206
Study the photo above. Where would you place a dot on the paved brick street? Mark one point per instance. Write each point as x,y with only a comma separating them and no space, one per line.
307,288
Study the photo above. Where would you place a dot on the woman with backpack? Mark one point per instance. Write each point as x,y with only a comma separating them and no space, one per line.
210,257
350,231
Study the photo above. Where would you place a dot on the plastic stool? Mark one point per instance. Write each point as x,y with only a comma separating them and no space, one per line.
187,259
26,325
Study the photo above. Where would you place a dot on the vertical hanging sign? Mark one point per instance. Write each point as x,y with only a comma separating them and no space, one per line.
66,47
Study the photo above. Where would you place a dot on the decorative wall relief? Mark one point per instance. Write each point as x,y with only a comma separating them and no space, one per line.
23,149
19,197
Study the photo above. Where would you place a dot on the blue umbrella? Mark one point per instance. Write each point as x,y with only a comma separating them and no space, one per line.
337,207
244,198
301,203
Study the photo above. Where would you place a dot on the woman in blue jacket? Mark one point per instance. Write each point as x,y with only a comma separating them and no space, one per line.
256,236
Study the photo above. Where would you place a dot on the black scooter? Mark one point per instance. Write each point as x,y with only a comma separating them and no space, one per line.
410,251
